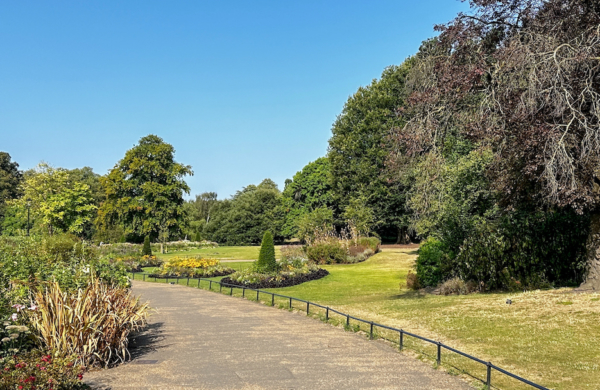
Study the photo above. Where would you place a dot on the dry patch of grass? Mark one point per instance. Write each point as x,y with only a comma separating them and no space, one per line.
550,337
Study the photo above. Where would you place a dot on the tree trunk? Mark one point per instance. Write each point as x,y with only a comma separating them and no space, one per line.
591,280
403,237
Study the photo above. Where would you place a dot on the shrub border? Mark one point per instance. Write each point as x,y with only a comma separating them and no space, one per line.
271,283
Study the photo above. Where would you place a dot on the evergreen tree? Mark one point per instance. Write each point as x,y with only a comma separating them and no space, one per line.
266,258
147,250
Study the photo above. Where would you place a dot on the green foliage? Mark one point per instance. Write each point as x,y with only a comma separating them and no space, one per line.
358,153
244,218
373,243
359,217
37,370
10,180
266,258
330,252
431,263
198,237
147,250
309,190
56,201
144,191
314,222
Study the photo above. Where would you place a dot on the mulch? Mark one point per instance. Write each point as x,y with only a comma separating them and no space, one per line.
272,283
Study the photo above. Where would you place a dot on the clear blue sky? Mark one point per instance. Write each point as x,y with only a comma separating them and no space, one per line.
243,90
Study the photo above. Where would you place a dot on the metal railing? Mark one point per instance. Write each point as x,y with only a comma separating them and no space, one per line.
372,325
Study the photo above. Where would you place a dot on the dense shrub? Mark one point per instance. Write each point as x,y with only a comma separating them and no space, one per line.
291,253
431,262
147,250
91,324
457,286
412,282
372,243
266,258
327,252
40,371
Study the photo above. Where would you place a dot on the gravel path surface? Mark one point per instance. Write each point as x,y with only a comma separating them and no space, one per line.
203,340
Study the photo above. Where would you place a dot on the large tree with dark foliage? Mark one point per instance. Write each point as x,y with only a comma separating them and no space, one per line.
357,152
520,78
10,179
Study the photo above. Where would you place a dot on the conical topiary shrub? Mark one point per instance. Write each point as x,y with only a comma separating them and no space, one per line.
147,250
266,258
198,237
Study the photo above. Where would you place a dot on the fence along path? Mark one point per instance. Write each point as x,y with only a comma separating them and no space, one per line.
401,333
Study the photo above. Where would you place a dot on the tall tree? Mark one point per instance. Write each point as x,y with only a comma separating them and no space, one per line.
309,190
358,154
10,179
144,191
244,218
520,77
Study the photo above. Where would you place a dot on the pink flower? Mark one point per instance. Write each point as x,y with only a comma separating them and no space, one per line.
14,317
19,307
33,307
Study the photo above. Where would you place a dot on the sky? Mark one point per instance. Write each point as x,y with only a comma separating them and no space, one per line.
243,90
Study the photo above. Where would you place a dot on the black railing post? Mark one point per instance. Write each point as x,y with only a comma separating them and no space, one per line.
257,292
290,302
188,281
198,282
371,335
272,299
155,279
401,339
230,291
307,307
488,381
327,314
439,353
177,280
347,319
243,292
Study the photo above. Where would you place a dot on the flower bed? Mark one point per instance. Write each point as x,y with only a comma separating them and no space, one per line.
288,275
192,267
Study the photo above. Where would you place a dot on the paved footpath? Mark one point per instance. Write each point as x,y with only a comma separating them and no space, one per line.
203,340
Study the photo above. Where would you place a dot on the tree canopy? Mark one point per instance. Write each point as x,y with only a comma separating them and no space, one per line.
144,191
358,151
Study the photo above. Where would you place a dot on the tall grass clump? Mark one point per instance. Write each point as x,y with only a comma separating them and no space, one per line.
93,324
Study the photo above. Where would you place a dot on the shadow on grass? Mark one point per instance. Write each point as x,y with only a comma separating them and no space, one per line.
410,295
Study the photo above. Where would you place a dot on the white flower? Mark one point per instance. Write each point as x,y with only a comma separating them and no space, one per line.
33,307
14,317
18,307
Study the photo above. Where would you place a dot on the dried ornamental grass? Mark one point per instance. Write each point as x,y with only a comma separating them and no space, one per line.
92,324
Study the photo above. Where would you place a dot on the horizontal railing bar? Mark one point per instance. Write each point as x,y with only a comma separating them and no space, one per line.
518,378
464,354
514,376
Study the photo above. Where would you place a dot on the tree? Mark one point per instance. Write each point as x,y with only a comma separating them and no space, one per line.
359,217
10,179
144,191
520,78
310,189
266,258
358,152
314,222
242,219
56,200
199,211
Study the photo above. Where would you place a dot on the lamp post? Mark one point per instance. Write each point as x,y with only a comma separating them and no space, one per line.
28,207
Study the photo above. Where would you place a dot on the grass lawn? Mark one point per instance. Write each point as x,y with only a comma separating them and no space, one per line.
550,337
222,252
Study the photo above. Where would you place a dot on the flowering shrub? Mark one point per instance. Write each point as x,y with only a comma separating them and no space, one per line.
39,371
193,267
15,337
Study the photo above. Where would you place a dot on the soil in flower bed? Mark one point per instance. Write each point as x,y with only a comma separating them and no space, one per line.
272,283
214,275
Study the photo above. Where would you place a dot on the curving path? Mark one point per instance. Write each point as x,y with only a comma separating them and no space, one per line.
203,340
